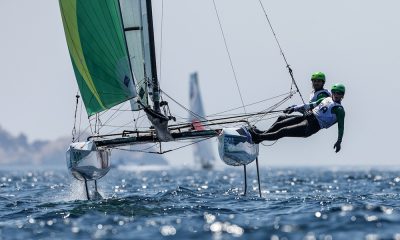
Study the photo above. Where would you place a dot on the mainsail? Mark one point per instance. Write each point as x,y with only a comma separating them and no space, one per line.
136,27
98,51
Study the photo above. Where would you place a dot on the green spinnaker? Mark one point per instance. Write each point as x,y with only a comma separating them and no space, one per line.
98,51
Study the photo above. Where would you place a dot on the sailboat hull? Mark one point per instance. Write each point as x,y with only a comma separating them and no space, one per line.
86,162
236,147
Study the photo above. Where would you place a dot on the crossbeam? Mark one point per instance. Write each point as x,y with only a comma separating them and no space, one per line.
136,137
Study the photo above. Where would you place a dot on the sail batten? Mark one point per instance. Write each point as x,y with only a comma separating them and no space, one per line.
95,38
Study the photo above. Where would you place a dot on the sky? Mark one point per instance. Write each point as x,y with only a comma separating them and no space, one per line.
353,42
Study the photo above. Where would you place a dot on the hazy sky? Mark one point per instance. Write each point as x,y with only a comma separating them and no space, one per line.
355,42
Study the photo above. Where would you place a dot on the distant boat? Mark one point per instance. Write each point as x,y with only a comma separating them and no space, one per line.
202,151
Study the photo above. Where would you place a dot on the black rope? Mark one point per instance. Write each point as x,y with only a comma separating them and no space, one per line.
283,55
229,55
76,110
80,122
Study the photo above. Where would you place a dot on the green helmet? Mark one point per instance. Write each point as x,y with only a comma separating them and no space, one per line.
338,87
318,76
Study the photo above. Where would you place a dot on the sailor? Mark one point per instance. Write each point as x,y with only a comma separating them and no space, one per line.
318,82
323,113
319,93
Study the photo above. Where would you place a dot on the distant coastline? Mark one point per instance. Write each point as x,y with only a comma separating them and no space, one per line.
18,151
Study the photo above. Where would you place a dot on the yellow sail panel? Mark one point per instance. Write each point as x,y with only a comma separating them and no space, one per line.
98,52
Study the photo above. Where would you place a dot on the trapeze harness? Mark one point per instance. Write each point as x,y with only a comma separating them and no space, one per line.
303,126
314,95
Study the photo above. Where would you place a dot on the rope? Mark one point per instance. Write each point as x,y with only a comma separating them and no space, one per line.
283,55
80,123
76,110
269,145
229,55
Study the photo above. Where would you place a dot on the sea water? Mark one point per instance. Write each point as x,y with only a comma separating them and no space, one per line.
306,203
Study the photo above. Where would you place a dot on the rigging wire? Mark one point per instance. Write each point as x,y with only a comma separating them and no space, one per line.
273,107
207,120
229,55
281,50
251,104
247,115
114,115
182,106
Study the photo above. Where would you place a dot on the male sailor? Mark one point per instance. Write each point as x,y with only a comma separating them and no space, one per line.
322,113
319,93
318,80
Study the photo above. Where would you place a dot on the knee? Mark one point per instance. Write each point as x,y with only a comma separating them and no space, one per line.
282,117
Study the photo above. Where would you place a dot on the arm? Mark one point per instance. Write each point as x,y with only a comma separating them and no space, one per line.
305,107
322,96
340,114
308,106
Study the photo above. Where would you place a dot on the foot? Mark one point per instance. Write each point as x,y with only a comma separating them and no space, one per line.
256,130
255,133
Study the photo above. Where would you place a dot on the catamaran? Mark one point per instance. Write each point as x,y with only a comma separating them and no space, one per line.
112,49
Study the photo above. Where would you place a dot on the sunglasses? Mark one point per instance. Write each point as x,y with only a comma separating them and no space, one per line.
338,93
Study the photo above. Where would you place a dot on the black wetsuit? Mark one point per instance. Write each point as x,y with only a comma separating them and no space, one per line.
293,126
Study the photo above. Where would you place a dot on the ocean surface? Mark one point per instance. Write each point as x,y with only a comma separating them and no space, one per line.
296,203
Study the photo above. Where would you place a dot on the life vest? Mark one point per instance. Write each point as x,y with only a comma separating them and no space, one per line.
323,112
314,95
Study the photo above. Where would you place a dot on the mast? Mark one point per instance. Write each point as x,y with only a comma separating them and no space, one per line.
156,87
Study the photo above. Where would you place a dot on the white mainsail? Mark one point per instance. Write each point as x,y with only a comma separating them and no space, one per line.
134,15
